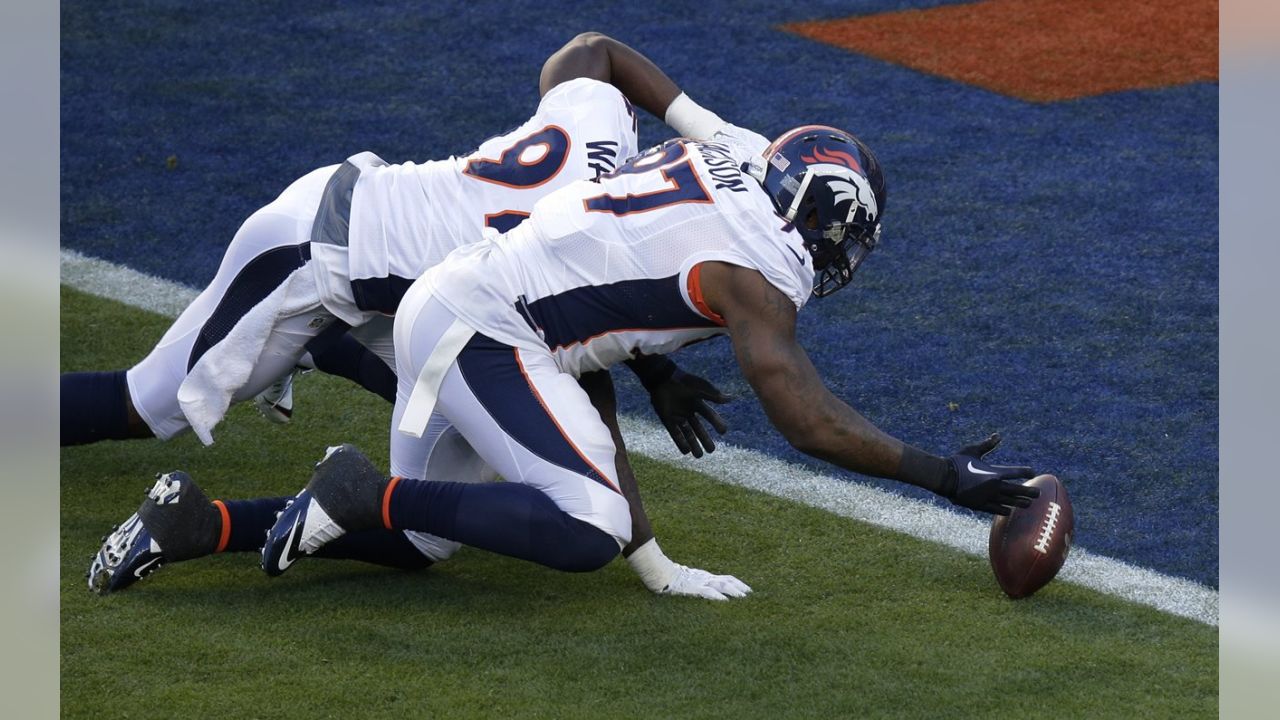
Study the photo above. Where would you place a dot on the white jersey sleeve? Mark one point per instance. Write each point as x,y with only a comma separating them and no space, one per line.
406,218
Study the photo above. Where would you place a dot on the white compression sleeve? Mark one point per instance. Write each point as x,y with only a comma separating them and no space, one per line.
692,120
655,569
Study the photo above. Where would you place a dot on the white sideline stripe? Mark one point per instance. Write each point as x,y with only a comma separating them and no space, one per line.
116,282
757,471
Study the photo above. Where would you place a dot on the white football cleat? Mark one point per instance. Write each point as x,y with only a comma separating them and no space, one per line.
276,402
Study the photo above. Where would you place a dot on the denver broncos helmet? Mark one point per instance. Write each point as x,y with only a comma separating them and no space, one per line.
828,184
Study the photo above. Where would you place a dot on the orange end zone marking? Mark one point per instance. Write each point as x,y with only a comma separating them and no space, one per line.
386,501
225,536
563,434
1041,50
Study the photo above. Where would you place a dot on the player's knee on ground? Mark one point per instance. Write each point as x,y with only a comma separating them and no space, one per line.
507,518
582,547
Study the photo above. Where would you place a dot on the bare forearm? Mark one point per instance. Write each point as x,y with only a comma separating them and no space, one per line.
818,423
599,387
641,530
761,322
830,430
842,436
639,79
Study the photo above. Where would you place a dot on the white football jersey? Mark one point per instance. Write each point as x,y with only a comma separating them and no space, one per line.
606,269
406,218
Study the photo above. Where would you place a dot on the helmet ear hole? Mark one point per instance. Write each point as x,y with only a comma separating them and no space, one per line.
810,221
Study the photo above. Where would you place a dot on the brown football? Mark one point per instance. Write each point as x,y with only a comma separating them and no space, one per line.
1028,547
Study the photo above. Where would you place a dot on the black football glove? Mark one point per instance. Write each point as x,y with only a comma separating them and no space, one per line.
979,485
681,404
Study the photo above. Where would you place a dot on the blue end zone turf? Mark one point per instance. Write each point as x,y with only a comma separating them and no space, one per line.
1047,270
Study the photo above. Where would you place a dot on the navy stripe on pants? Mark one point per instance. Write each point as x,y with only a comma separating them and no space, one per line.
492,372
255,281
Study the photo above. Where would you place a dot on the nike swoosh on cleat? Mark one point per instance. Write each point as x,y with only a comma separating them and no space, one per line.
976,471
141,569
285,560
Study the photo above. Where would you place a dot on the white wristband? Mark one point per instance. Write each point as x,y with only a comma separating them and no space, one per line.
655,569
692,120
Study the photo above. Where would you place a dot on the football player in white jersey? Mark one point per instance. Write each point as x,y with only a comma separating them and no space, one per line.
689,240
342,246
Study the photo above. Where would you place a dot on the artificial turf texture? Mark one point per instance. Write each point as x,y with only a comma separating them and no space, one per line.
846,620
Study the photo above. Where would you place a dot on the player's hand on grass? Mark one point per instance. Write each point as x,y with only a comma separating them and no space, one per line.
979,485
664,577
693,582
681,404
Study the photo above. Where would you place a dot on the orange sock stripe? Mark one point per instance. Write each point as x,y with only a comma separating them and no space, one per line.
225,536
386,501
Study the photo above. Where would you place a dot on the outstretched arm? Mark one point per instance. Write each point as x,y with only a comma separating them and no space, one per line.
761,323
655,569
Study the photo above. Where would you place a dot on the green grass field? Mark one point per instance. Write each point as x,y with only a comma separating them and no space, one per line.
846,620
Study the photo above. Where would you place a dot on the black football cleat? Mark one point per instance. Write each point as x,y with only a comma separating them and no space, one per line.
344,494
175,522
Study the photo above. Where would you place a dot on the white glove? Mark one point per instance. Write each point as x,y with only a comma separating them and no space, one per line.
665,577
700,583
